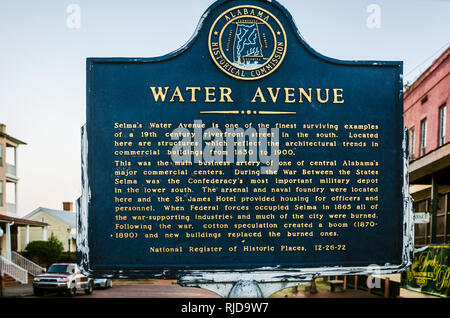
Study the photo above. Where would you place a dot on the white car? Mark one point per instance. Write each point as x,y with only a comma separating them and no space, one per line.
62,278
102,283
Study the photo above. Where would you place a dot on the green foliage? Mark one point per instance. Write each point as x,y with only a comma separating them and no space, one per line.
45,252
67,257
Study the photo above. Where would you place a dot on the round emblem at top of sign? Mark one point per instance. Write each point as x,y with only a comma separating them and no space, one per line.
247,42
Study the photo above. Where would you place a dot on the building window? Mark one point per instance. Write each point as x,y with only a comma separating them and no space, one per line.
442,124
423,137
424,100
411,143
1,155
1,193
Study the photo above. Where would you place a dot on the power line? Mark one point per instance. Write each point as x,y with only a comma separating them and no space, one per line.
415,68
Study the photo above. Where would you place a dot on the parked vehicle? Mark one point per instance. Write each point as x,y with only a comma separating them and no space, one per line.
103,283
62,278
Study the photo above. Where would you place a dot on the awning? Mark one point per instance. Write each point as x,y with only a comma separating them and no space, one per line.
436,162
17,141
18,221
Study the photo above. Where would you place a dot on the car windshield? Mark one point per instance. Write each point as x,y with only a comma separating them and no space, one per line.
60,269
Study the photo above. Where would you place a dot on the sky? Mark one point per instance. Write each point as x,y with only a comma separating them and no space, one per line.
44,45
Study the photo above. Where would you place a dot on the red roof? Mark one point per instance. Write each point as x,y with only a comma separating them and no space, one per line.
19,221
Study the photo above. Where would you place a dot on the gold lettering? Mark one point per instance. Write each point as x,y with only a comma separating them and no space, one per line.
274,97
225,93
338,96
259,94
193,90
319,96
177,93
289,93
304,94
159,94
210,92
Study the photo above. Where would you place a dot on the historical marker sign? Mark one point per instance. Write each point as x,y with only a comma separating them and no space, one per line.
244,150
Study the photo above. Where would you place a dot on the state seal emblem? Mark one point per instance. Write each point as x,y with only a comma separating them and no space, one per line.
247,42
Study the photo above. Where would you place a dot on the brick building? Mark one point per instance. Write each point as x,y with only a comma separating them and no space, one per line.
426,104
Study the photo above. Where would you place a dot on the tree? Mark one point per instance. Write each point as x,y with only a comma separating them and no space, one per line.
45,252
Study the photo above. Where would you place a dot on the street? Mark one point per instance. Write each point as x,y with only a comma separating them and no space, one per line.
133,289
169,289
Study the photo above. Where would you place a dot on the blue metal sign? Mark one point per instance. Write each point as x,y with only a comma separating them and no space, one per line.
244,150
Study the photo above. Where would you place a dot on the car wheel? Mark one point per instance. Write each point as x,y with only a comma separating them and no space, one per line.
37,292
72,291
90,288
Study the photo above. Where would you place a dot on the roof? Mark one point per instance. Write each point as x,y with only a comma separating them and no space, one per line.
67,217
18,221
436,63
15,140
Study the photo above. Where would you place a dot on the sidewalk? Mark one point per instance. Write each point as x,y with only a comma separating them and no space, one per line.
349,293
18,291
406,293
